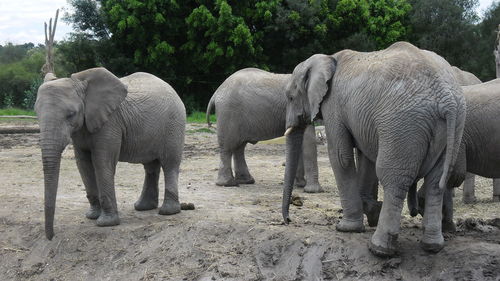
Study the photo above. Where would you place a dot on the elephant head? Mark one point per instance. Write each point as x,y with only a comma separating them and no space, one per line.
65,106
305,92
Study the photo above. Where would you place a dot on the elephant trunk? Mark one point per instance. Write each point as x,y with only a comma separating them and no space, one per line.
293,149
51,158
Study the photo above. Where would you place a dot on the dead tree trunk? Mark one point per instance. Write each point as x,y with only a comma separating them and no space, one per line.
496,182
48,67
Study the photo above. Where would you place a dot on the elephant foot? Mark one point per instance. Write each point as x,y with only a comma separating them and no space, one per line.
414,212
384,248
300,182
247,179
350,226
93,213
372,212
469,200
226,182
108,219
146,204
496,198
448,226
170,208
313,188
432,243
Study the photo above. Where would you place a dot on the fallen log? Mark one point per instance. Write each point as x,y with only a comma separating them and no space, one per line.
18,116
20,129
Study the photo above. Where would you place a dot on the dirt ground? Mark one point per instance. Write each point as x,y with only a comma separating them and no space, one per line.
235,233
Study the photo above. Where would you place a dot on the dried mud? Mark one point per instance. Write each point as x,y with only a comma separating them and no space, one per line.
234,233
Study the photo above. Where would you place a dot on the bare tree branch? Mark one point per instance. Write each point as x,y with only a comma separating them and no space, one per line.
48,67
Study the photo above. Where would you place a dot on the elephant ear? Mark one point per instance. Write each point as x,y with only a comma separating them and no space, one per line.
103,93
320,70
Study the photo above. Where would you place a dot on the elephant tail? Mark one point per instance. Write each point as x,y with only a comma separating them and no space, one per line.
210,109
454,114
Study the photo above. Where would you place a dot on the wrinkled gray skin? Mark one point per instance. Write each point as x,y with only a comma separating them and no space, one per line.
466,79
135,119
480,148
370,185
402,111
251,107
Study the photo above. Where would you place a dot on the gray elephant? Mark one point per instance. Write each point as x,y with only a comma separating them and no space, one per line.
250,106
369,184
403,111
480,148
137,119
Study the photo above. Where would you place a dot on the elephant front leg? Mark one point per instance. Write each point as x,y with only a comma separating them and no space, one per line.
448,224
86,169
104,162
433,240
496,190
171,204
300,180
241,173
149,194
340,151
368,183
310,161
225,176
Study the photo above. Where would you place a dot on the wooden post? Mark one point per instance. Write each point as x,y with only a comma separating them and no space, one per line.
48,67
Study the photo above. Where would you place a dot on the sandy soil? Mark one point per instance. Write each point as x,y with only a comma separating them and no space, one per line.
235,233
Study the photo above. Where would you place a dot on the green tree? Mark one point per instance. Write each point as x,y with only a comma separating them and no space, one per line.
446,27
485,66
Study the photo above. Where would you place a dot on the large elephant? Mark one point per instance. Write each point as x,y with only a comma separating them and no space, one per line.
480,148
369,184
138,119
251,107
402,111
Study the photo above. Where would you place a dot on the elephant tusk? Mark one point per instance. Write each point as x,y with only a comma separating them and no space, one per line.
288,131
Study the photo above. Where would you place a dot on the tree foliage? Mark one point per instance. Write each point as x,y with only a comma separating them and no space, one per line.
195,44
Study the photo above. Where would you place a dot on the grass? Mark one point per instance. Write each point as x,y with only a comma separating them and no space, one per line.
16,111
199,117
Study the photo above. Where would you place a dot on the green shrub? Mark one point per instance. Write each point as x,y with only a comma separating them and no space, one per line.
200,117
30,94
16,111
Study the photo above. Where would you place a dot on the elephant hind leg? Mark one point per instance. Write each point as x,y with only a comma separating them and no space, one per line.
171,166
225,176
149,195
242,175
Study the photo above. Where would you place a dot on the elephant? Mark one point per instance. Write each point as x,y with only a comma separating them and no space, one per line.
250,106
480,148
369,186
401,110
137,119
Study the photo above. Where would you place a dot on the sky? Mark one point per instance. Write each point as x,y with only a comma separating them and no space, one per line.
21,21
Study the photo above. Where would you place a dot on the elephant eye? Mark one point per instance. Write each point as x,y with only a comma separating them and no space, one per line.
71,114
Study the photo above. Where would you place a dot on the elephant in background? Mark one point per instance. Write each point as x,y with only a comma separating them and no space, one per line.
137,119
250,106
404,113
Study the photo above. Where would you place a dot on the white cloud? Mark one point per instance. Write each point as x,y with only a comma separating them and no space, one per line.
22,21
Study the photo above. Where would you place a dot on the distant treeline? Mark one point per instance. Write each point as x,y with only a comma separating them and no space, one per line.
195,44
